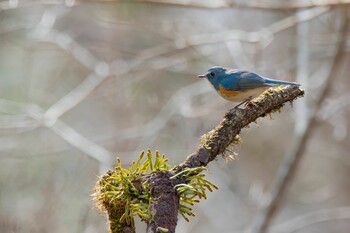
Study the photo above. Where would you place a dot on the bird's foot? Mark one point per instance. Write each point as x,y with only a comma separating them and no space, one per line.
245,102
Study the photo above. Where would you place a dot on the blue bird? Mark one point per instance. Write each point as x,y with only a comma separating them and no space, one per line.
239,85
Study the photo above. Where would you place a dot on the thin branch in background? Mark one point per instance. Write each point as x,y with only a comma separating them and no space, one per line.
15,4
305,220
61,129
84,57
74,97
263,36
239,57
17,122
176,103
80,142
266,5
338,105
294,155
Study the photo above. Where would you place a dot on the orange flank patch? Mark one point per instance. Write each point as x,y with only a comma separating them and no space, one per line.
227,92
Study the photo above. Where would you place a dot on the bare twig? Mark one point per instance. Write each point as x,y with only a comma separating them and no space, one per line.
294,155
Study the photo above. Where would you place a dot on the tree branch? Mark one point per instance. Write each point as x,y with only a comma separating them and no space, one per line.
165,202
217,140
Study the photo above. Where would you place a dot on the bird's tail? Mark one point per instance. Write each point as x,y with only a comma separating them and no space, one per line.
279,82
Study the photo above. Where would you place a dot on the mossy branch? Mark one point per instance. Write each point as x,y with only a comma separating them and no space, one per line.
218,140
157,193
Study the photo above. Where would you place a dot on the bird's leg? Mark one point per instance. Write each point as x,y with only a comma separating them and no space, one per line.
245,101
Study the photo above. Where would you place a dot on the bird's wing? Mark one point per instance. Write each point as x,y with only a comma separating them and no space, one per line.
247,80
238,80
230,83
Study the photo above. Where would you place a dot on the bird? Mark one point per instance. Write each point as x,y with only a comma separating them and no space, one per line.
239,85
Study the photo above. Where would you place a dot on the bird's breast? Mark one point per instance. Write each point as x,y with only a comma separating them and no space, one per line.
239,96
225,92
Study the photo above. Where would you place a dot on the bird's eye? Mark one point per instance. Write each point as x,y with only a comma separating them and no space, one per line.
212,74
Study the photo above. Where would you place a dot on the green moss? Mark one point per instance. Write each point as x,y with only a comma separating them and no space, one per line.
193,190
121,195
162,229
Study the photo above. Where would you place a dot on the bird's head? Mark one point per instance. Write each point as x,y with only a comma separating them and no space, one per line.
214,75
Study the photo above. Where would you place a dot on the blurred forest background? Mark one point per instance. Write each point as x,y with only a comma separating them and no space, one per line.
82,82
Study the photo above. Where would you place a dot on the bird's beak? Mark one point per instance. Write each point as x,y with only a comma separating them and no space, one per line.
202,76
